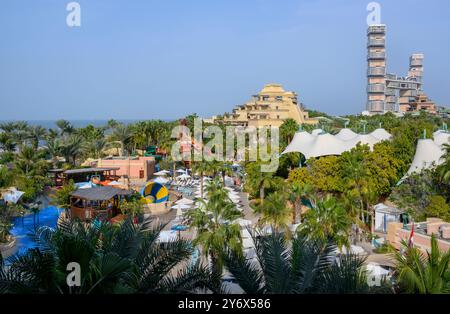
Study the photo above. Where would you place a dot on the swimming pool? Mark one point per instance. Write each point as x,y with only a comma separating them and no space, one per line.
22,227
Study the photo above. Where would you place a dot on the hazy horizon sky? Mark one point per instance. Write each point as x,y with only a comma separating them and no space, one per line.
165,59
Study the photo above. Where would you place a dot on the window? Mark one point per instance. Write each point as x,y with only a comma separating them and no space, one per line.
279,98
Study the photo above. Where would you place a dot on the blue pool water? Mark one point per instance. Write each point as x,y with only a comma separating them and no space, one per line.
23,227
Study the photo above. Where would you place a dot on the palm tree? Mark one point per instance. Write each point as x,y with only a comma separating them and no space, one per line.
444,169
121,134
274,211
72,148
201,168
95,147
213,221
36,134
65,127
259,180
298,266
327,221
123,259
296,195
54,146
420,273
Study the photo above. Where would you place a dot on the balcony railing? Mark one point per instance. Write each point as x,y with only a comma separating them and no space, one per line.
390,92
375,105
376,42
376,29
376,55
378,71
416,62
376,88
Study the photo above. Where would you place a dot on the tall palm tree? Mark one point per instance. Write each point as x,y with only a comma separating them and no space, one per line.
259,180
201,168
213,221
71,148
121,134
327,221
423,273
123,259
298,266
65,127
274,211
36,134
54,146
296,195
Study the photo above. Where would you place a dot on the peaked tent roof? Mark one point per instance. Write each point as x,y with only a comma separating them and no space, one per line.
442,138
427,154
316,132
381,134
300,142
346,134
325,144
363,139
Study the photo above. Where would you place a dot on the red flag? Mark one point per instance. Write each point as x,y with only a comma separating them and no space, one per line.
411,236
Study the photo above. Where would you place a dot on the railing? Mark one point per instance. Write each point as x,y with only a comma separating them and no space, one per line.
390,92
416,62
376,88
376,29
376,55
379,71
88,213
375,105
376,42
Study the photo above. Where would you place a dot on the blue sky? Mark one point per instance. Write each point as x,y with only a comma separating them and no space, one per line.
136,59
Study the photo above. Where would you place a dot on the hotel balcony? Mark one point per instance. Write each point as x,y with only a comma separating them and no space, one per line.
416,62
377,71
375,105
392,99
376,43
390,92
376,55
376,29
376,88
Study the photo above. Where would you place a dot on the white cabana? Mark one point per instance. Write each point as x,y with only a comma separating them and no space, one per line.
161,180
184,201
161,173
244,222
167,236
183,177
180,206
12,195
346,134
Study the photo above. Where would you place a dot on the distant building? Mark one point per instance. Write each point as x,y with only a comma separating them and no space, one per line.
398,232
387,92
270,107
130,167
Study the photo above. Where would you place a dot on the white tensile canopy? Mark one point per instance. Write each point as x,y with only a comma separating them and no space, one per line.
346,134
167,236
300,142
442,138
427,155
316,132
363,139
324,145
381,134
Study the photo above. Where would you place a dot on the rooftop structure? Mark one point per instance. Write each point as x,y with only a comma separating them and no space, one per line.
388,92
319,143
100,202
270,107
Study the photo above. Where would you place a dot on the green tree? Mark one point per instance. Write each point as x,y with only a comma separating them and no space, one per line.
423,273
438,208
327,221
298,266
214,221
274,212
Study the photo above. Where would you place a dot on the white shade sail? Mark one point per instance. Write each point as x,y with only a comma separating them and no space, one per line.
381,134
427,155
346,134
